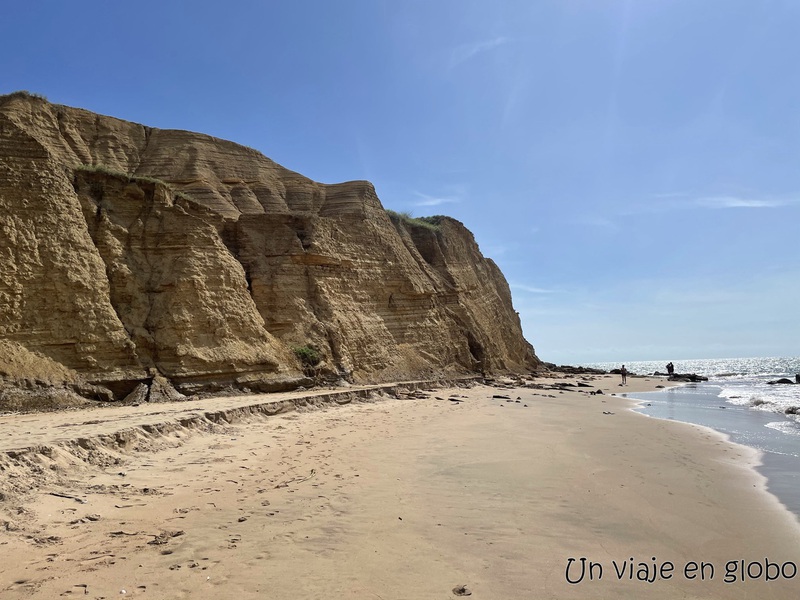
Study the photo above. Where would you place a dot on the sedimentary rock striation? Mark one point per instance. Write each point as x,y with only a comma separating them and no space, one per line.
143,263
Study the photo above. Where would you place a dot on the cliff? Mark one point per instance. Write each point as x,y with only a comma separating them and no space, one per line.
138,261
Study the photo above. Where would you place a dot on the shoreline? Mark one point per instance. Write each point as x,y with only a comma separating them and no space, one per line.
754,461
405,498
739,425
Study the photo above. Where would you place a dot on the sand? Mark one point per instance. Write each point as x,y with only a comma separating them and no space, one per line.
387,499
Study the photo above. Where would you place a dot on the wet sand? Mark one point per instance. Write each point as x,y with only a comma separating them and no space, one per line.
393,499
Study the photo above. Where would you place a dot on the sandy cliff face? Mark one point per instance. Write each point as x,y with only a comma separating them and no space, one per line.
133,255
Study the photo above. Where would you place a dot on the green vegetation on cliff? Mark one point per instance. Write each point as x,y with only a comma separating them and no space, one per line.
431,223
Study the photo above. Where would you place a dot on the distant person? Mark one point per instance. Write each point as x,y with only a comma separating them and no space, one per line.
624,372
670,369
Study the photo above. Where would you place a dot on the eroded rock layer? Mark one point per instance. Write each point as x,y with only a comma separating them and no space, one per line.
134,256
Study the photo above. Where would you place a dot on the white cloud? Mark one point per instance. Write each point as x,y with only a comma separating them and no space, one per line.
465,52
426,200
595,221
672,201
671,195
530,289
736,202
490,250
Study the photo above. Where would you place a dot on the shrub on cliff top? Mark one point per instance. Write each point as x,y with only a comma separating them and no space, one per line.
431,223
434,220
23,94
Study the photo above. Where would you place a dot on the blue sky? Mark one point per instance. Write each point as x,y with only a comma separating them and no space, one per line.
632,166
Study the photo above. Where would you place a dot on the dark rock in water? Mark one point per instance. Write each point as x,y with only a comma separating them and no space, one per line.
687,377
781,380
792,410
574,370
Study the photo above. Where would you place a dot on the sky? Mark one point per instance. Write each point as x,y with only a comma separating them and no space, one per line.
633,167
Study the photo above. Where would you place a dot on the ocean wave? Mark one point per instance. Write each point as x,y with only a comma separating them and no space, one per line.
757,394
787,427
741,400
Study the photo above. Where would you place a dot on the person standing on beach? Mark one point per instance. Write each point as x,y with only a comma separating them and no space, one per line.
624,372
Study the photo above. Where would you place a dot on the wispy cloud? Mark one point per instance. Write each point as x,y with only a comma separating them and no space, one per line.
736,202
426,200
517,95
490,250
671,195
530,289
465,52
680,201
595,221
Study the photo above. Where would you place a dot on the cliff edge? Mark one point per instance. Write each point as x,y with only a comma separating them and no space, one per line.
144,264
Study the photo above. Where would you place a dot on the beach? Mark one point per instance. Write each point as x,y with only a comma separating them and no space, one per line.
392,495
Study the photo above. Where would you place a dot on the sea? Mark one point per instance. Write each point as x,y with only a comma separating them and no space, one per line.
738,401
